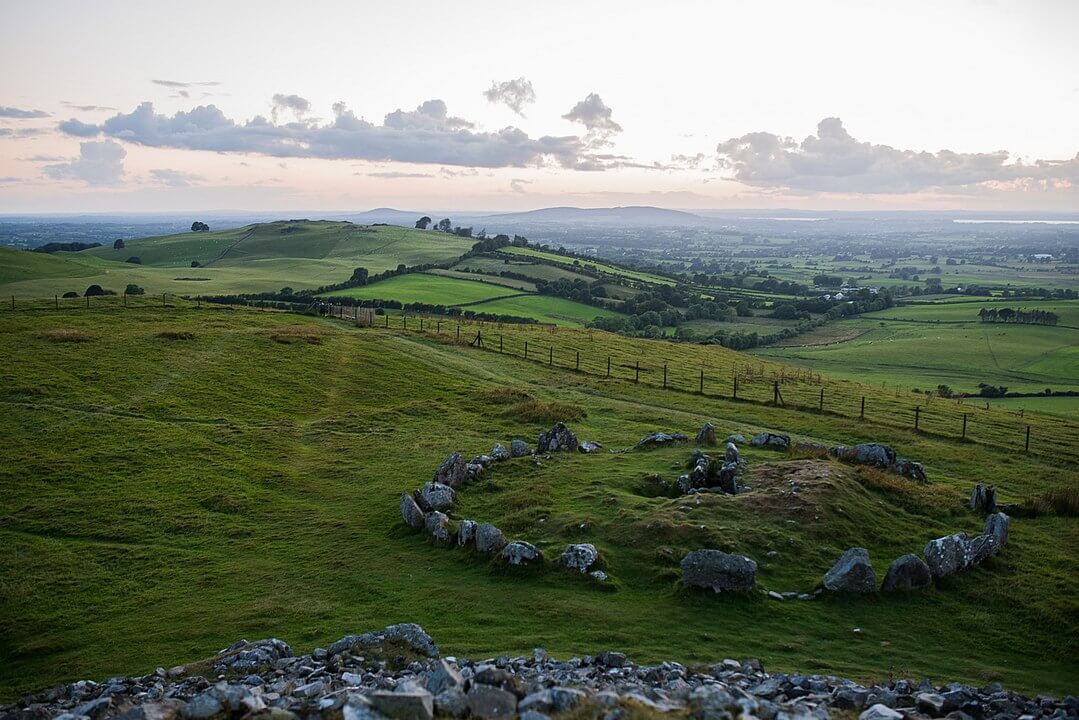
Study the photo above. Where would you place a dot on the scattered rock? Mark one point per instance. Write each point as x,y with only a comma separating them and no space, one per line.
598,575
660,439
201,707
410,512
771,441
906,573
407,705
436,496
880,712
872,454
579,557
246,656
491,703
489,539
909,469
589,447
559,437
453,471
980,549
996,525
499,453
731,454
947,555
410,634
736,438
519,448
438,527
720,571
520,552
442,677
852,572
466,533
983,499
706,435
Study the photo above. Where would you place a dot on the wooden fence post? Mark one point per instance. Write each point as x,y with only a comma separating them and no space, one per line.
702,382
608,366
735,395
1028,439
664,377
421,324
862,415
917,415
821,406
550,356
404,322
458,331
56,301
637,371
198,303
499,343
526,349
87,301
775,392
578,365
964,426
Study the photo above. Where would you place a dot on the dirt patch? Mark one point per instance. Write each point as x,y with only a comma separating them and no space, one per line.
793,488
65,335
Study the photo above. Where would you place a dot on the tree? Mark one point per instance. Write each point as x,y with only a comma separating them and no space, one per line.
198,226
133,289
195,263
444,225
423,222
359,275
94,290
134,260
118,245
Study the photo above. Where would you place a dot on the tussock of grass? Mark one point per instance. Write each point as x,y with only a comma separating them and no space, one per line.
540,411
176,335
1063,502
65,335
504,395
912,496
298,334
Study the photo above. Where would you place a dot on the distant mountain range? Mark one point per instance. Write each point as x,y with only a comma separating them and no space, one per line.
632,215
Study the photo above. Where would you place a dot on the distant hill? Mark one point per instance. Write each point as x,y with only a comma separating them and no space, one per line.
631,215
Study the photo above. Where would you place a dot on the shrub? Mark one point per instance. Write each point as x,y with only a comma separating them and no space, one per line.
134,260
70,294
1062,501
97,290
133,289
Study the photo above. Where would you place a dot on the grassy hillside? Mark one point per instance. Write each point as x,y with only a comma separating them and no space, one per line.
165,496
926,345
18,265
256,258
427,288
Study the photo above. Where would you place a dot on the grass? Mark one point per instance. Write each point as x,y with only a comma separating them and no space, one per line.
602,267
255,258
427,288
545,309
163,499
908,347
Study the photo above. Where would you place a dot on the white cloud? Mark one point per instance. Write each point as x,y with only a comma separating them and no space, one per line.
175,178
833,161
181,84
594,114
99,163
284,103
514,94
15,113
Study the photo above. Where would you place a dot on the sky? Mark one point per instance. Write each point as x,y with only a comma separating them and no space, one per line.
112,106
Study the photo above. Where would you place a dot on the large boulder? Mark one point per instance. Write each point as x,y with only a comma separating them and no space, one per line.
453,471
438,527
519,448
244,656
466,534
588,447
408,634
720,571
731,454
906,573
487,702
983,499
873,454
499,453
909,469
436,496
411,512
442,677
520,552
996,525
980,548
415,704
559,437
946,555
489,539
852,572
580,557
660,439
772,441
707,435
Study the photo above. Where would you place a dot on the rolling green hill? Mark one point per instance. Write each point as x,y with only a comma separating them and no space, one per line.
217,473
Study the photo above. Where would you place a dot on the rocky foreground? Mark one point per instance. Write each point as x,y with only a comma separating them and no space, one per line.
397,674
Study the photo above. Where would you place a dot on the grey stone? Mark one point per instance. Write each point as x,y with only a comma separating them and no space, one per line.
983,499
909,469
519,448
452,702
852,572
598,575
442,677
660,439
203,707
720,571
491,703
96,708
731,454
588,447
410,512
736,438
996,524
946,555
612,659
706,435
355,707
980,549
409,705
466,533
245,656
873,454
551,700
579,557
453,471
880,712
308,690
408,633
558,438
436,496
499,453
438,527
771,441
906,573
489,539
520,552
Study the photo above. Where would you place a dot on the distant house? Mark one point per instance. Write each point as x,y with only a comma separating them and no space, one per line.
1043,257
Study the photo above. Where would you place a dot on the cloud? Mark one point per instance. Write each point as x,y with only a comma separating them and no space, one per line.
9,179
87,108
426,135
44,158
833,161
688,161
463,172
517,185
594,114
391,175
78,128
20,114
99,163
175,178
180,84
21,132
514,94
284,103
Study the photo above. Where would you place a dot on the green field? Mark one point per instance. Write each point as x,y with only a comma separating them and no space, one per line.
594,264
426,288
522,285
922,346
255,258
164,497
545,309
539,271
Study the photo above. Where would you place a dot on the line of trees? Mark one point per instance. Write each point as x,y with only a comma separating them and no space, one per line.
1018,315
